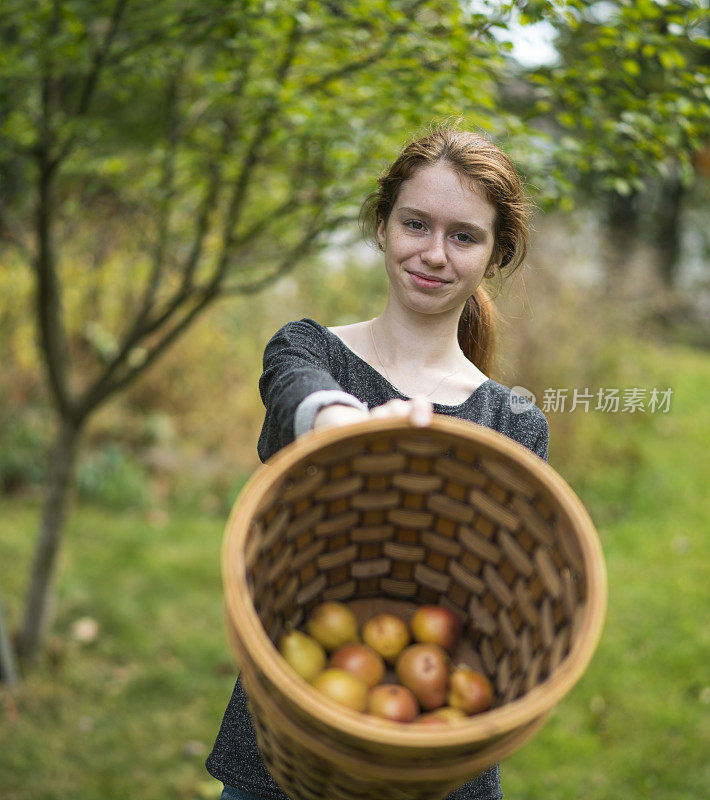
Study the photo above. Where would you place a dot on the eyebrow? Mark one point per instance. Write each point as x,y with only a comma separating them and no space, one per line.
456,224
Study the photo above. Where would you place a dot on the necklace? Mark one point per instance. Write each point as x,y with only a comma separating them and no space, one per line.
382,363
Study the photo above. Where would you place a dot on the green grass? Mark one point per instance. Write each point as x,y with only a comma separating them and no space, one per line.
111,719
637,724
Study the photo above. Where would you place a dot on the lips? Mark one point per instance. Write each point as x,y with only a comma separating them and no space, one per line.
427,281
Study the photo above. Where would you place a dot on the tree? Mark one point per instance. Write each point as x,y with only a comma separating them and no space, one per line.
214,146
630,100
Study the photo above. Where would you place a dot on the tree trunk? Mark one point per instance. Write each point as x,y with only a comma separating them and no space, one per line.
621,226
54,510
8,671
667,229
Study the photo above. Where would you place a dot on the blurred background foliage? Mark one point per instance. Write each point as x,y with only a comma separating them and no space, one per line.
197,156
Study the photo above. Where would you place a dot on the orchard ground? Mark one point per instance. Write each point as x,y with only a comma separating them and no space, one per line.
129,706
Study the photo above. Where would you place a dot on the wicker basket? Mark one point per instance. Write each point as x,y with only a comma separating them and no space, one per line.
385,516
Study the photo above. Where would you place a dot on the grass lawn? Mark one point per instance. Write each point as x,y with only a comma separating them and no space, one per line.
638,723
133,713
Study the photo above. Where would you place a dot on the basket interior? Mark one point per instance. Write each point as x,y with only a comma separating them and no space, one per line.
422,516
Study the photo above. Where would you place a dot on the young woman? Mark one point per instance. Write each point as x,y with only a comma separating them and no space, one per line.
449,212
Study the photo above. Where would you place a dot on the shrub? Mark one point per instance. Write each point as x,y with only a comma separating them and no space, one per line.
23,447
113,477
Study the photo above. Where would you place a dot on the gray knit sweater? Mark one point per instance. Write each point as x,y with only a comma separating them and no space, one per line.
302,358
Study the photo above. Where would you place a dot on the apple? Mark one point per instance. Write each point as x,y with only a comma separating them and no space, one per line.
332,624
361,660
393,702
446,715
449,713
424,670
386,634
469,690
343,687
436,625
303,653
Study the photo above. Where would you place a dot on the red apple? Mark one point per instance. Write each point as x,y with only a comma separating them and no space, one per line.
424,670
469,690
393,702
436,625
361,660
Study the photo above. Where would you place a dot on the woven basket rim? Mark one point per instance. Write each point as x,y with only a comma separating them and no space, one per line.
252,637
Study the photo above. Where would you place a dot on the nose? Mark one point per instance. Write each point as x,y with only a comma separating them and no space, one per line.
434,252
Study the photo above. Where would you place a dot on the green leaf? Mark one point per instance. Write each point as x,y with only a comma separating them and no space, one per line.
623,187
632,67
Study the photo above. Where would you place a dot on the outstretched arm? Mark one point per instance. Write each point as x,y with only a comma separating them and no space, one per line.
300,393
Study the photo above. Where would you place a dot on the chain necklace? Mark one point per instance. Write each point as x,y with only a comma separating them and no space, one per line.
382,363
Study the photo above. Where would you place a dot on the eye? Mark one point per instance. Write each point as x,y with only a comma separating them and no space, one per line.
464,238
415,224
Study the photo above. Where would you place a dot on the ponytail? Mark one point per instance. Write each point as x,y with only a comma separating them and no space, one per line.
476,332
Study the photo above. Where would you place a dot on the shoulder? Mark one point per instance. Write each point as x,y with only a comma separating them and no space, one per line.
306,328
302,332
299,340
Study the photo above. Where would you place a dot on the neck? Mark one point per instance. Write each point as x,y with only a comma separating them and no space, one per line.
408,339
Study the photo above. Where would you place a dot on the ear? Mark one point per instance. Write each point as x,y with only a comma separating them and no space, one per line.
381,234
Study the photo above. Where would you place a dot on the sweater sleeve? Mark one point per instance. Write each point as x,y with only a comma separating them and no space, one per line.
542,441
309,407
296,364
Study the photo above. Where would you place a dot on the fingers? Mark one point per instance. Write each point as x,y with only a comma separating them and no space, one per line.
393,408
419,410
336,414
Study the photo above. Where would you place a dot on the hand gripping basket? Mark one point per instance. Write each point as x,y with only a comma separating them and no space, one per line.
385,515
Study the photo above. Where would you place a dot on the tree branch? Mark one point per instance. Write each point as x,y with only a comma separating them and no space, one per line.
295,255
109,388
215,178
251,157
100,57
167,187
89,88
290,205
188,23
52,334
141,326
356,66
353,66
105,387
140,329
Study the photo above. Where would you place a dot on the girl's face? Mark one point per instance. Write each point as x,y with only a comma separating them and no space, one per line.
438,240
